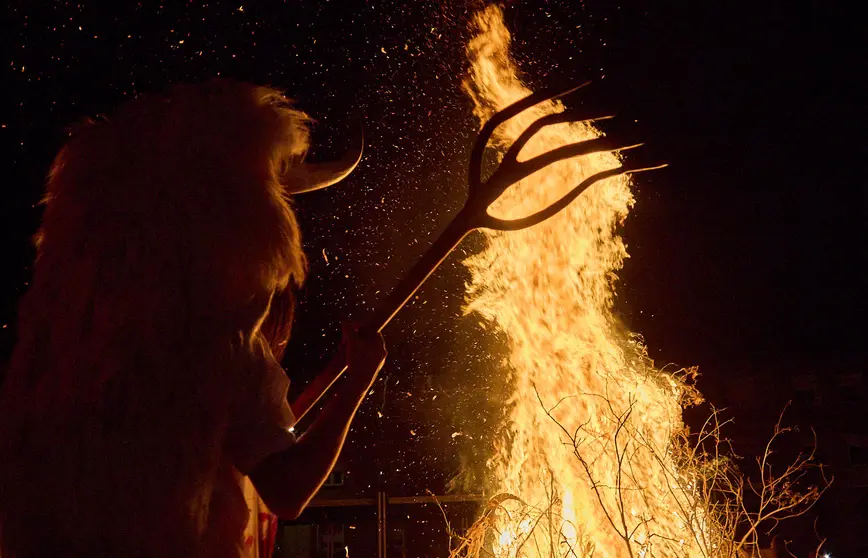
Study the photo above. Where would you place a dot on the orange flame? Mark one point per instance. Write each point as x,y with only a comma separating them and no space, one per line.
597,469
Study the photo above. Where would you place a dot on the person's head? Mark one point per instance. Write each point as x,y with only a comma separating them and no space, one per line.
168,226
187,190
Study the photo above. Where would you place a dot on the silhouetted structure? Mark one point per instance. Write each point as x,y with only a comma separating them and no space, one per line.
828,395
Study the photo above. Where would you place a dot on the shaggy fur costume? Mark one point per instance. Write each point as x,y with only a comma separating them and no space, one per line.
167,229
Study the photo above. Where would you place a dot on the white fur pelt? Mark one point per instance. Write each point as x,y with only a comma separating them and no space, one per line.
166,230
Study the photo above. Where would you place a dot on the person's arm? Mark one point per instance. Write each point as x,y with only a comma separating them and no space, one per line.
289,479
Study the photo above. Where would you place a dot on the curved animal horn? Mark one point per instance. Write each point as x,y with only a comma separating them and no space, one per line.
307,177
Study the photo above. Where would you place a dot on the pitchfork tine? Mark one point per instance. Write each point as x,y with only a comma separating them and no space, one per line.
501,117
547,120
496,223
519,171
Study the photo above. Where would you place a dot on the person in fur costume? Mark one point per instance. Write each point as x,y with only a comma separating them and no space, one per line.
145,387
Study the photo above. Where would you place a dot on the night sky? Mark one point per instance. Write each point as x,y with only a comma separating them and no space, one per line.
747,251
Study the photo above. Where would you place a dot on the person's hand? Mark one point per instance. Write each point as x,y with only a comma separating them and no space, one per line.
365,352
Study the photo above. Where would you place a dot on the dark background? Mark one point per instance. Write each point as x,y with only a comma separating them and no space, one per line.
746,252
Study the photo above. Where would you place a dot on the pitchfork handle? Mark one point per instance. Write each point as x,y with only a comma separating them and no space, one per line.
475,215
385,311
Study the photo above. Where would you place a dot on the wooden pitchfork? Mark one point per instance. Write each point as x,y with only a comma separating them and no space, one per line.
474,215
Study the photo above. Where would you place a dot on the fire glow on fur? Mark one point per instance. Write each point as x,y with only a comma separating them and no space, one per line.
575,374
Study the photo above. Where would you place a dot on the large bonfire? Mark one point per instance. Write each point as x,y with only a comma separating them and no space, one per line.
591,465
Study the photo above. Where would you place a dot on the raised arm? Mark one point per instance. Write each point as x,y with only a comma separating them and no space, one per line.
288,480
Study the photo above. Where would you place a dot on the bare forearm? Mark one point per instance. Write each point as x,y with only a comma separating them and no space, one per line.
288,480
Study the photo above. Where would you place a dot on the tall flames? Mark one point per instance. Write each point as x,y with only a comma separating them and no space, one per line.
589,466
